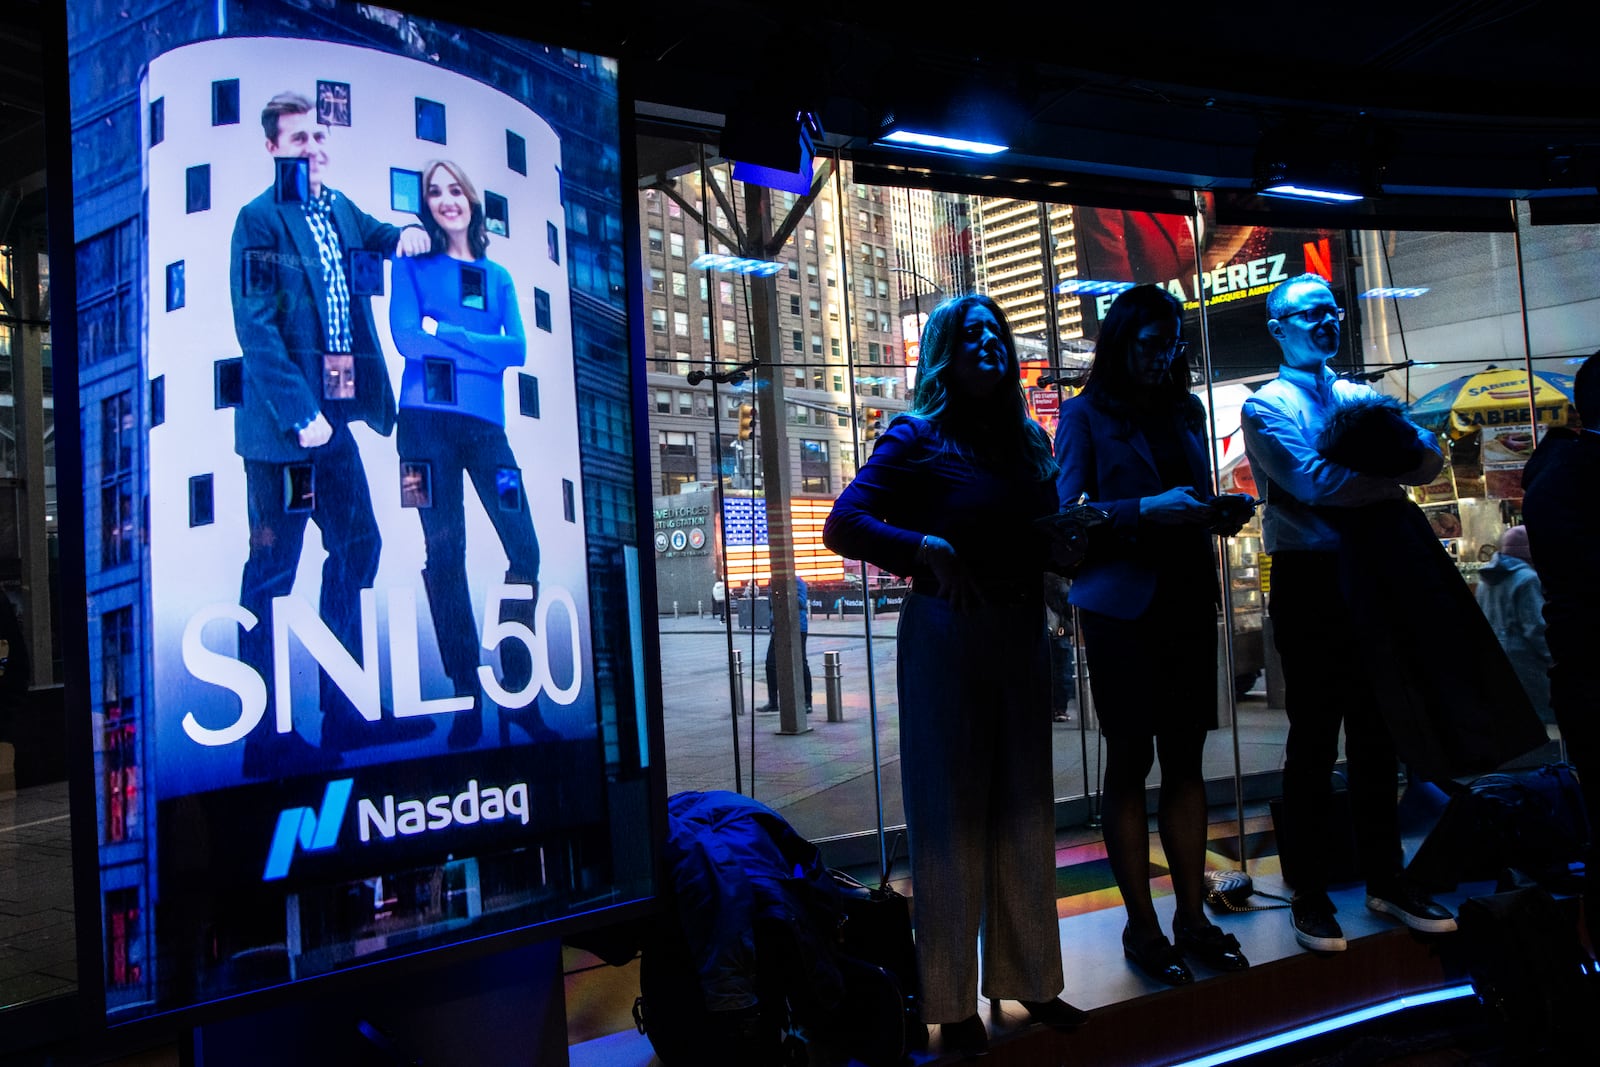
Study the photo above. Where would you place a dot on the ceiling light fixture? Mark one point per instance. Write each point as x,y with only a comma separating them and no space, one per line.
1295,191
772,144
1324,166
937,142
1090,287
761,268
1407,292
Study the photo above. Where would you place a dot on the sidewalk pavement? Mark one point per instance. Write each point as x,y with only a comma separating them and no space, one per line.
821,779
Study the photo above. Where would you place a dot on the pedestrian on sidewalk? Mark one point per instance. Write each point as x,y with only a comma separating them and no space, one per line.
802,597
1512,600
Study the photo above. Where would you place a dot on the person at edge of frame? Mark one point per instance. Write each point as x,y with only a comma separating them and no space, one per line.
1561,509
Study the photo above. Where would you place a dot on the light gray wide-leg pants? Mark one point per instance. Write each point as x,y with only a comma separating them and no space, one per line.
975,749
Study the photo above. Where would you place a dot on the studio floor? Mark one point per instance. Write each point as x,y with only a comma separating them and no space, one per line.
1135,1020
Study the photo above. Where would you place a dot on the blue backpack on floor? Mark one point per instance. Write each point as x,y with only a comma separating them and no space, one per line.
1528,821
750,965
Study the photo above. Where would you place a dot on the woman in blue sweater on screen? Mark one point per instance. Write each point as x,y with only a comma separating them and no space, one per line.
455,319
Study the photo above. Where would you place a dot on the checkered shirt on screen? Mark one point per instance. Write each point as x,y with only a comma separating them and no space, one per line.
319,216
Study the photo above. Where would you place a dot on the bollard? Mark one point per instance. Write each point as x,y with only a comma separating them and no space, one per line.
832,684
674,609
700,608
736,668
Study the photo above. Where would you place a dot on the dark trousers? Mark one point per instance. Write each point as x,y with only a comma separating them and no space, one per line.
341,506
453,445
1575,695
772,672
1327,684
1063,673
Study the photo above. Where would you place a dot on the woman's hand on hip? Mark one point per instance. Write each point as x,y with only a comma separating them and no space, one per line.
955,583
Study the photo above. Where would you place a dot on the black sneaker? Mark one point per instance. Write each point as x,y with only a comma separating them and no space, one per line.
1403,900
1314,925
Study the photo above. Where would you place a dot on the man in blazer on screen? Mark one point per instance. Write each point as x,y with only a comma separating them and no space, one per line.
301,276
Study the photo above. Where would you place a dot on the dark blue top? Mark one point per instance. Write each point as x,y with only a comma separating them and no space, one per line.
1117,457
913,486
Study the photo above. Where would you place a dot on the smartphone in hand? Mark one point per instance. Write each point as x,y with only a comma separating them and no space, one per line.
1233,511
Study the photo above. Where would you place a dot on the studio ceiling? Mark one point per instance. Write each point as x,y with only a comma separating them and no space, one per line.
1493,97
1488,98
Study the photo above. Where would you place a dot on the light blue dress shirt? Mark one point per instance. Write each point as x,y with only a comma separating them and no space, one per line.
1281,423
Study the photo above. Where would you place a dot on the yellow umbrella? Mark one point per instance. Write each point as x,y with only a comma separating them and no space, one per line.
1494,398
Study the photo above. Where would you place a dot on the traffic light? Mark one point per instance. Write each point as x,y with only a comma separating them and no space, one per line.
874,427
747,420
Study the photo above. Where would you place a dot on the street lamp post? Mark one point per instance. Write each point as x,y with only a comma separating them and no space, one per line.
916,304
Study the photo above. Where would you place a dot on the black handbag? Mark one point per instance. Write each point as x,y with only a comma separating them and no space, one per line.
1528,966
882,1016
1229,893
877,928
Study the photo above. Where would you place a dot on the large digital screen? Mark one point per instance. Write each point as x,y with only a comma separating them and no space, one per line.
365,671
1239,266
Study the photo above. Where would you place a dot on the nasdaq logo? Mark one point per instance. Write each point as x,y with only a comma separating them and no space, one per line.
310,830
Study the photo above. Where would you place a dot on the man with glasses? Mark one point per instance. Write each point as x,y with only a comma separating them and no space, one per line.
1325,674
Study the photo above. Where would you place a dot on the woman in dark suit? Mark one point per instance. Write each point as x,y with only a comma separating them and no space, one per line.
952,496
1147,596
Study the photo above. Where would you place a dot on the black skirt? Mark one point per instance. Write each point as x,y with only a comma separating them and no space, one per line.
1158,673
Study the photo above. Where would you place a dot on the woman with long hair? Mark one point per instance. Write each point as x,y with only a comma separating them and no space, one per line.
455,319
1147,598
952,497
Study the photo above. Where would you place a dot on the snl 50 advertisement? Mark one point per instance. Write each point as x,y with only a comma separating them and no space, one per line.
365,540
358,713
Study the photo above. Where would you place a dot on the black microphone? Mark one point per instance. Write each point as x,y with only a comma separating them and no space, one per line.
1374,375
1062,378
